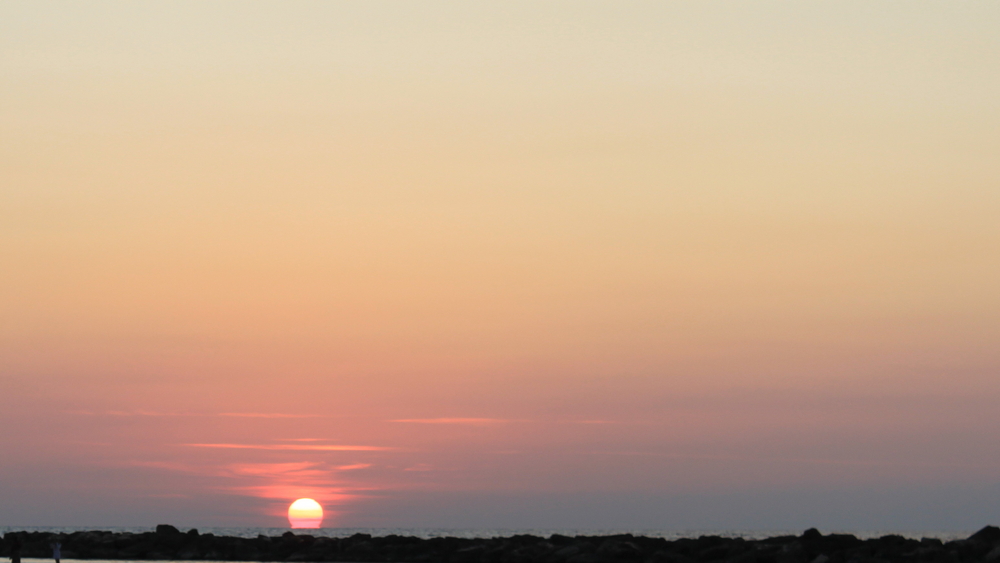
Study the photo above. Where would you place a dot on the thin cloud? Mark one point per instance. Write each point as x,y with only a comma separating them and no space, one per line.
133,413
276,481
484,421
204,414
299,470
288,480
173,466
293,447
803,460
593,421
283,491
420,467
269,415
353,467
473,421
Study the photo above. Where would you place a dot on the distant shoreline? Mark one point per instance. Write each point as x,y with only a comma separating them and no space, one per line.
167,543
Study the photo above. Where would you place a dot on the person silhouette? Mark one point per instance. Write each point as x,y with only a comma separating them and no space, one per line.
56,550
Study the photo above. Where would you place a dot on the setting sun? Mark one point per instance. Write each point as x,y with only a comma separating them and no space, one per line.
305,513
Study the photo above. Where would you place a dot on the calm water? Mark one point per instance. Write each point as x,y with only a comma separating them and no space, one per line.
490,533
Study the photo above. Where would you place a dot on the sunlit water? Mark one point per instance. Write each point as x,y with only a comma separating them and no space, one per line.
499,532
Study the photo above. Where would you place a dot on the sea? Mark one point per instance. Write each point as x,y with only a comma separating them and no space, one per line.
473,533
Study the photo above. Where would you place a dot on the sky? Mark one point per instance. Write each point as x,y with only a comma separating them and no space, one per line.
568,264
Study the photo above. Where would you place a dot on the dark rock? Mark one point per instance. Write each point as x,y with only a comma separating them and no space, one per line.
812,534
931,542
468,554
167,529
565,553
989,534
360,547
617,550
714,553
134,551
670,557
302,556
811,547
840,541
187,554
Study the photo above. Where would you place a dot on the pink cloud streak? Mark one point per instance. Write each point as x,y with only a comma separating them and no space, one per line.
293,447
184,414
453,420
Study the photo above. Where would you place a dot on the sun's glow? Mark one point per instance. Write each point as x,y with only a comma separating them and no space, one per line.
305,513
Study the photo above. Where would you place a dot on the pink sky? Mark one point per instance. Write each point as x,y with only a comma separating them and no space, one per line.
508,264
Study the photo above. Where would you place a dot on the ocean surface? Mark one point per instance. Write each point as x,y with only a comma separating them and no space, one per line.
499,532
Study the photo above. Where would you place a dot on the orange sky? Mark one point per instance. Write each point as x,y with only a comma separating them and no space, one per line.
506,264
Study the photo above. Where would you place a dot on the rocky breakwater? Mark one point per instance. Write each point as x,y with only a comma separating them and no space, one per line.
169,543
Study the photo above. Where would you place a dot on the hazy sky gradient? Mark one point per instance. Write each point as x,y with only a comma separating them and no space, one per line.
597,264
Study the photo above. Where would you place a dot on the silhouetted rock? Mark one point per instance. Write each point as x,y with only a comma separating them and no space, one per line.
812,534
167,543
167,530
989,534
